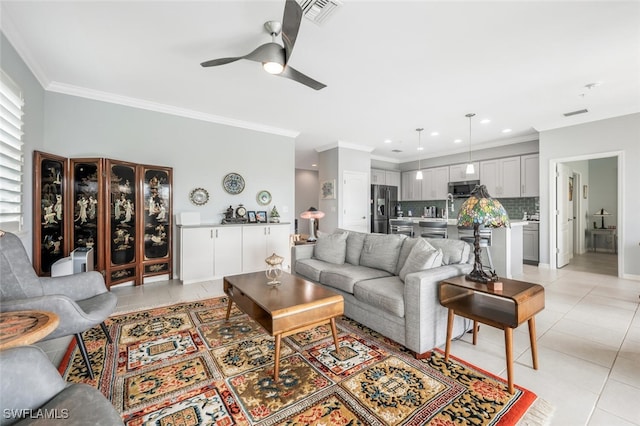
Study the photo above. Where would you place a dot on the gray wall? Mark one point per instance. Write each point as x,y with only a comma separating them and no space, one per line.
200,152
603,138
307,195
33,127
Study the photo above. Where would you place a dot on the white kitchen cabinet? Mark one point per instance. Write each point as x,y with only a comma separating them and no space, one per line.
530,243
209,252
392,178
411,187
501,177
385,177
458,172
260,242
435,183
378,177
529,175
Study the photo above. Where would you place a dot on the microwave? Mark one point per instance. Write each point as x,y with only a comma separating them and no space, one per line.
462,189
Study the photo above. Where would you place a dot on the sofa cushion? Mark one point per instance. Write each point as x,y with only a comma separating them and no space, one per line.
423,256
344,277
407,246
386,294
453,251
331,248
310,268
381,251
355,242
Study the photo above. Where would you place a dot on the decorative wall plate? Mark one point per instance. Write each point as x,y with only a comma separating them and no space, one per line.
233,183
199,196
264,198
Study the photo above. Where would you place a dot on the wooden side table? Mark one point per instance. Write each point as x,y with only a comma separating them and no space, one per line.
21,328
506,309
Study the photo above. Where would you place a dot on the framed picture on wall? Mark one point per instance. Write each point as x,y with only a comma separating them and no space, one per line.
252,216
261,217
328,189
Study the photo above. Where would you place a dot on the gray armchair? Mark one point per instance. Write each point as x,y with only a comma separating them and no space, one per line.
33,392
82,301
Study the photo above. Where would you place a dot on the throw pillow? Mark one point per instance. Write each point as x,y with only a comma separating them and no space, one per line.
421,258
331,248
407,246
381,251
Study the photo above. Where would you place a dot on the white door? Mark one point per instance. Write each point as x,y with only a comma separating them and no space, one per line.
254,248
355,199
564,217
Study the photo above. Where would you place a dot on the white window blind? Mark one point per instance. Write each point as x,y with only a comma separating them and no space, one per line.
11,155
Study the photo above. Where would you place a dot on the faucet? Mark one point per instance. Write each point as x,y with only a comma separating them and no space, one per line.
447,200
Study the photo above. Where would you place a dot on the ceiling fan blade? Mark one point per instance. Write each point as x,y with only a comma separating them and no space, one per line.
221,61
301,78
268,52
290,26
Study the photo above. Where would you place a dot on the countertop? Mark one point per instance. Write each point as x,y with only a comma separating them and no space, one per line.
454,222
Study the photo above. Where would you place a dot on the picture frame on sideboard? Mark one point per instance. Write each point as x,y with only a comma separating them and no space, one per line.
252,217
261,216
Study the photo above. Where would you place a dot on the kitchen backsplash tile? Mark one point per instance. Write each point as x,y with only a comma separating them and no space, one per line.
515,207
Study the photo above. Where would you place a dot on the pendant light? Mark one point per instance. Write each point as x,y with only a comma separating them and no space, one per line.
419,173
470,169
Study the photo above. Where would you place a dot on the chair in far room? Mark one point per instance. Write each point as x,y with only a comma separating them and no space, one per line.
81,301
433,229
401,227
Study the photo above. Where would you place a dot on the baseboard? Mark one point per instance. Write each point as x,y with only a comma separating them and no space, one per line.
631,277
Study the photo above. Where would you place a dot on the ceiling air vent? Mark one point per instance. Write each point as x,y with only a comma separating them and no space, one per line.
580,111
318,11
396,150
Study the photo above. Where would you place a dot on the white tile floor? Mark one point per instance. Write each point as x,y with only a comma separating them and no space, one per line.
588,342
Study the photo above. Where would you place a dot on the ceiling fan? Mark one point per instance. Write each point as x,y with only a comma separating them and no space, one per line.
274,57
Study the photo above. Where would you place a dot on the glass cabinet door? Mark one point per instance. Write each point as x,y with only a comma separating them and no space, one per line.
50,242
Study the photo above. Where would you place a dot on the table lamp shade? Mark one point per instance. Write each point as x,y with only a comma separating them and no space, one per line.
602,213
481,210
312,214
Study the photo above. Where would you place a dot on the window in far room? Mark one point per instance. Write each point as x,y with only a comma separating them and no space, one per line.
11,155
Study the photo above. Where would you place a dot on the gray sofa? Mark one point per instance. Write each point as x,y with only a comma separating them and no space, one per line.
389,282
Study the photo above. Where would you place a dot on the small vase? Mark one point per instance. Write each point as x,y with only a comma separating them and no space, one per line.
274,269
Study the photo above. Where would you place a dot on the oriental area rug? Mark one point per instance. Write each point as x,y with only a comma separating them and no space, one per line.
185,364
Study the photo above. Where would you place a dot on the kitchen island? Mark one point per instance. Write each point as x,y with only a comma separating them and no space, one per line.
506,243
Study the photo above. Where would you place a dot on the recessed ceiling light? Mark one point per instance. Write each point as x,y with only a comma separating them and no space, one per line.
387,141
457,141
314,165
485,121
420,148
434,133
506,131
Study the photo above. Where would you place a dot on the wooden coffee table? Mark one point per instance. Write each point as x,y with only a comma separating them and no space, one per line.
506,309
291,307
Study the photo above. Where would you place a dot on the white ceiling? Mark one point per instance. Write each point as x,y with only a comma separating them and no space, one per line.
389,66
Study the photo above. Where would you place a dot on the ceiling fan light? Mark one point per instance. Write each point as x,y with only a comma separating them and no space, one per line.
470,169
273,67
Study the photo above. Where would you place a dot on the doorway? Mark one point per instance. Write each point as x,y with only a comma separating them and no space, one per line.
584,188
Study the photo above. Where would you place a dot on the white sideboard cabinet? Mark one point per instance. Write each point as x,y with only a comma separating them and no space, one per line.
260,242
209,252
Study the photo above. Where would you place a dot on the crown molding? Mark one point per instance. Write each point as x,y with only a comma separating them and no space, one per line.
342,144
12,34
83,92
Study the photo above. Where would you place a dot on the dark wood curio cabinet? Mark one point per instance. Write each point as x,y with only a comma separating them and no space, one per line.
122,210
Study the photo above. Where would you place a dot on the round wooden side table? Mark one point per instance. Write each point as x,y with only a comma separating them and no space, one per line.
20,328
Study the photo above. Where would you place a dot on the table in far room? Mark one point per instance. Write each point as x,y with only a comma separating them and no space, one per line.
292,306
506,309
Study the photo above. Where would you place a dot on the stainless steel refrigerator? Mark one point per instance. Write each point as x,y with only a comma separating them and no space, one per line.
384,199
